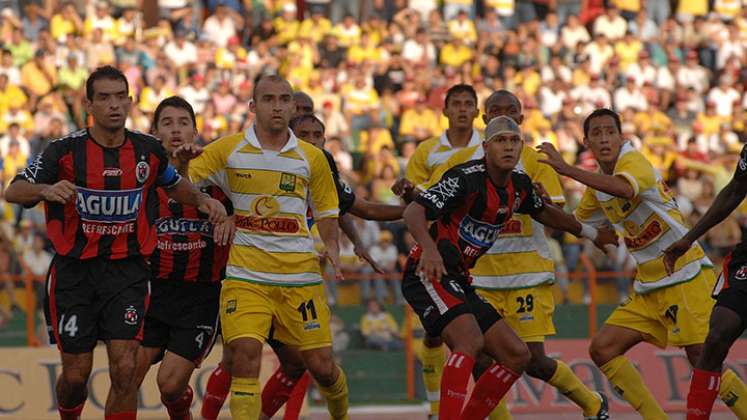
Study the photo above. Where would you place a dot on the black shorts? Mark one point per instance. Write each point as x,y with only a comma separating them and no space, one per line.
95,299
731,288
183,318
438,303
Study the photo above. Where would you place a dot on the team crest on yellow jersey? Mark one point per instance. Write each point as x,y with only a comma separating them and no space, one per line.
287,182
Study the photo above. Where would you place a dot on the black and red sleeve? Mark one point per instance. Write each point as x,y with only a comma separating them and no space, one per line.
531,200
444,196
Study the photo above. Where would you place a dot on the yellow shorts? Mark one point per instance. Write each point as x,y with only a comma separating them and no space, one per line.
299,314
677,315
528,311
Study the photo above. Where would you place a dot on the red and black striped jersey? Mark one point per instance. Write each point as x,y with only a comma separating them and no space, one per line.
186,250
469,211
112,215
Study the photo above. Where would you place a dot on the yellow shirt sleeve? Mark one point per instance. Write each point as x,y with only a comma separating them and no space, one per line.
637,171
457,158
543,174
589,210
365,326
210,167
324,202
417,170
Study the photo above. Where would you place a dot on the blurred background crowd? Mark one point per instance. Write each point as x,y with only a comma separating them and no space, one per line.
378,71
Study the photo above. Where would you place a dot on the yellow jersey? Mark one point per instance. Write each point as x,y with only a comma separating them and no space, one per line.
649,222
520,257
271,193
430,154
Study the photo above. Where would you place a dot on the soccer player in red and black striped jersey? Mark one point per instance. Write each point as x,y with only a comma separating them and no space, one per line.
99,190
469,206
188,265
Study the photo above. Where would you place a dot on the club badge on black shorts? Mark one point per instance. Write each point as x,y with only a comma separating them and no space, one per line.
130,315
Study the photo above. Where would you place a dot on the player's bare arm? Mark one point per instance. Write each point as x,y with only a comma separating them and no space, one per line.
370,210
431,265
328,232
556,218
186,193
726,201
611,184
28,194
347,224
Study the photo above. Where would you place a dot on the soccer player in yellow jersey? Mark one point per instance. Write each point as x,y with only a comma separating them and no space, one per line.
666,308
516,275
460,108
273,277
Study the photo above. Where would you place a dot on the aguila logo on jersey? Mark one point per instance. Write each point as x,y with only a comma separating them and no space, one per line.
130,315
108,206
477,233
142,170
176,226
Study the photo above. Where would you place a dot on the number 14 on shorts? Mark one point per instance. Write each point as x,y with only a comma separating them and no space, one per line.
68,325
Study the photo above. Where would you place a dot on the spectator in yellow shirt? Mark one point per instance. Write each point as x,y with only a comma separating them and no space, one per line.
462,27
628,50
13,162
360,99
230,56
17,115
366,50
709,120
73,76
10,95
455,53
286,24
65,22
38,75
316,27
347,32
152,95
380,329
418,123
100,19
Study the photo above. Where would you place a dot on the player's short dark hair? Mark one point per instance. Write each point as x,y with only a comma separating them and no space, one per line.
104,72
270,78
460,88
174,102
601,112
302,118
502,92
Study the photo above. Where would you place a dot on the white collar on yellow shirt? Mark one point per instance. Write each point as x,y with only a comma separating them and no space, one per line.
473,141
250,136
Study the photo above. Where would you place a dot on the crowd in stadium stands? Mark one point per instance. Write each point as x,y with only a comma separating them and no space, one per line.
378,71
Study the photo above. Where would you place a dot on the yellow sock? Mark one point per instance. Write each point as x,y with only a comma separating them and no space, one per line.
246,401
337,397
629,385
733,393
569,385
434,359
500,412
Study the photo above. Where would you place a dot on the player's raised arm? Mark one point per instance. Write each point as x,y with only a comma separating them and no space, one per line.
371,210
556,218
725,202
40,182
616,185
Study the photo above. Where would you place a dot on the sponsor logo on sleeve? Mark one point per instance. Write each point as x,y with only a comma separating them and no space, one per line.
440,193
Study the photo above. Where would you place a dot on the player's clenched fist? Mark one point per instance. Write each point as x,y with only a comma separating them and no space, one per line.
431,266
61,192
605,237
187,152
213,208
674,252
402,186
